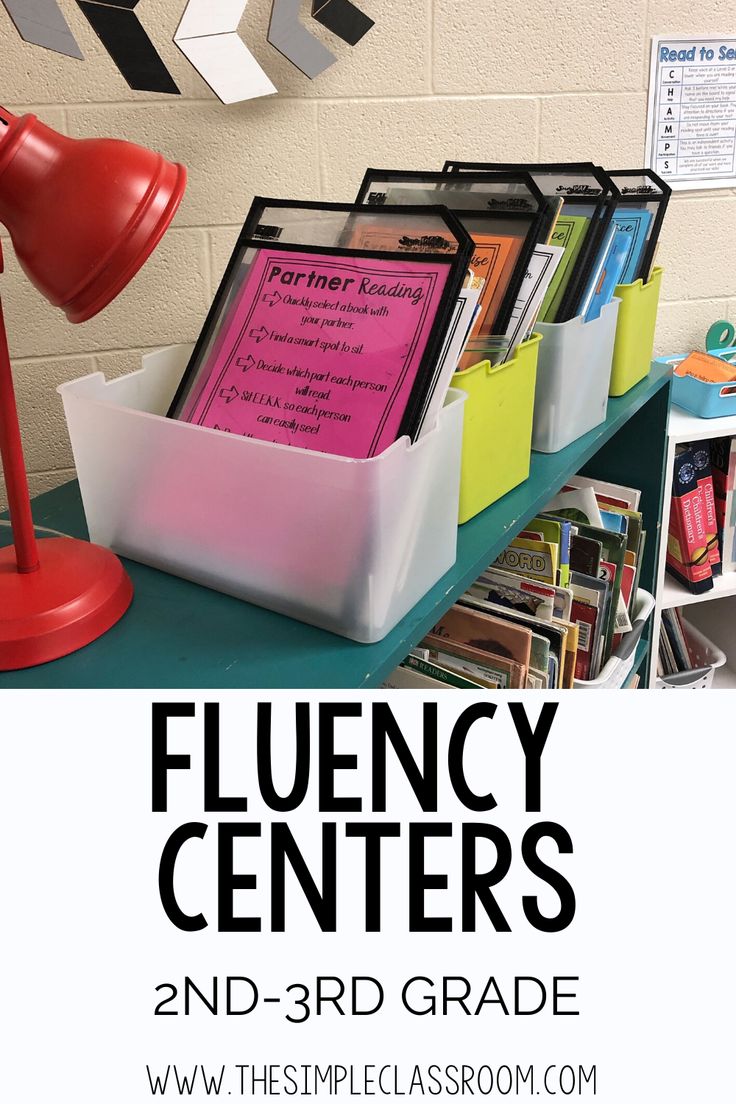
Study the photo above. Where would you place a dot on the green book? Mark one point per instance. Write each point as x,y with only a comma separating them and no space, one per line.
569,232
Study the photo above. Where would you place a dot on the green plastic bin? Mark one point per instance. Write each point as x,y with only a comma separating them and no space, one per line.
497,429
637,321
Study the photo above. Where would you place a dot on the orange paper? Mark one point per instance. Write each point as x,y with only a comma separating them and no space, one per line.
707,368
494,257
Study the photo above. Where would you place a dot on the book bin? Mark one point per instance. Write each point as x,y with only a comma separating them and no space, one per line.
707,660
637,321
573,378
497,434
347,545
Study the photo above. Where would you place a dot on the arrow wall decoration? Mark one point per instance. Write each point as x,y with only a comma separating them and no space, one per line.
343,19
208,37
292,39
41,22
121,33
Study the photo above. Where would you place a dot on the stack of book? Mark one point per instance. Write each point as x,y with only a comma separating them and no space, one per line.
701,542
552,609
675,654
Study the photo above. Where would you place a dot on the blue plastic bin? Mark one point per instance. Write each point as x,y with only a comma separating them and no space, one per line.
707,400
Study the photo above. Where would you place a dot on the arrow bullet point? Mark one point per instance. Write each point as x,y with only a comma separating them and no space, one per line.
244,363
229,393
272,299
260,334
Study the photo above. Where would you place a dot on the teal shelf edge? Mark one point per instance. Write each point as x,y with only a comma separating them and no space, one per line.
181,636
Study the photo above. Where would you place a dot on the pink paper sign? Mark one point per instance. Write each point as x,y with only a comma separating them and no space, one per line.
319,351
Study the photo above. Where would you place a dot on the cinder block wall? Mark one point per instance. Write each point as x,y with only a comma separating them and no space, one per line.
495,79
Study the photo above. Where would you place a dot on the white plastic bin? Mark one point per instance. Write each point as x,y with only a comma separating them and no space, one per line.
348,545
573,378
708,658
620,665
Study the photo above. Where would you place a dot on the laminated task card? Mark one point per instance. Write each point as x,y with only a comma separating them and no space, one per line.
588,197
327,347
505,215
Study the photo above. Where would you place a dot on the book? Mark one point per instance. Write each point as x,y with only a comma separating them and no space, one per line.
613,550
704,476
535,559
540,272
640,559
456,338
577,504
617,523
405,678
723,470
563,570
633,527
623,620
477,629
614,493
585,555
687,541
666,653
678,646
539,656
516,592
445,675
494,257
633,224
610,275
571,653
569,234
596,273
484,667
590,599
556,531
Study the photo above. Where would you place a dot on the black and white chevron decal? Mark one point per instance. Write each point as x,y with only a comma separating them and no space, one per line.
121,33
207,35
342,18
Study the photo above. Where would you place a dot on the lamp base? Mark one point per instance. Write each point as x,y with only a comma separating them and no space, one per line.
78,593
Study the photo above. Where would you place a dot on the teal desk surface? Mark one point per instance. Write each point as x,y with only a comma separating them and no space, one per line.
178,635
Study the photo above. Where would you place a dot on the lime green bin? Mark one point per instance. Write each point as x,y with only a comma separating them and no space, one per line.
497,429
637,321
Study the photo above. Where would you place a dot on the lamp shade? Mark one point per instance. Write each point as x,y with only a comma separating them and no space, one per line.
83,214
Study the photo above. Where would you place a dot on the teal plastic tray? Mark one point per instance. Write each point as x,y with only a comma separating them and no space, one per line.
707,400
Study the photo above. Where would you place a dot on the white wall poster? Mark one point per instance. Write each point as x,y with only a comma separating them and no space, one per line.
691,126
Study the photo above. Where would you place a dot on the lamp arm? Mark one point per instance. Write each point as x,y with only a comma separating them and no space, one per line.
11,451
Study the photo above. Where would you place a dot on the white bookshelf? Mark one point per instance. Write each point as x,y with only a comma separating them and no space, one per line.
684,426
673,594
714,612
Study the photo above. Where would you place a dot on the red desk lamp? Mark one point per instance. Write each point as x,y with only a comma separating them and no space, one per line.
83,217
